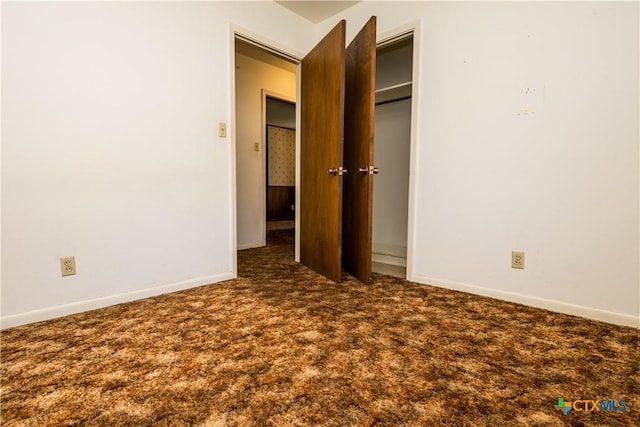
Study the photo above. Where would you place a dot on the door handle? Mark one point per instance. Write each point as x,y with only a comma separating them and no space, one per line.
368,170
337,171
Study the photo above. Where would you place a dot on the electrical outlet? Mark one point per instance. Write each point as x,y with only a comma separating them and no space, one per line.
517,260
222,130
68,266
256,146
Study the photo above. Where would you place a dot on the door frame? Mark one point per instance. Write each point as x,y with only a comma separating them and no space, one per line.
237,31
383,38
269,44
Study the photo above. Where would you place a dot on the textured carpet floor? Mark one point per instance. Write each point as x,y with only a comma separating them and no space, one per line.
281,345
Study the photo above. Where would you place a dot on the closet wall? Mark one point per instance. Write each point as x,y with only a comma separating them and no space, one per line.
391,156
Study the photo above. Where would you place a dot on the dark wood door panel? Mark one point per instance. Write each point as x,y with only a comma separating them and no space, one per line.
321,140
279,202
357,214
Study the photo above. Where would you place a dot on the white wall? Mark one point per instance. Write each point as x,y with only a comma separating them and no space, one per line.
553,172
110,153
110,149
251,77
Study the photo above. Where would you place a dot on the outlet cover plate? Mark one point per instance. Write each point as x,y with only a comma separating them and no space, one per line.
68,266
517,260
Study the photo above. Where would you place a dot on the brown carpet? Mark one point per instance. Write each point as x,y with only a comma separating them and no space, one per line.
281,345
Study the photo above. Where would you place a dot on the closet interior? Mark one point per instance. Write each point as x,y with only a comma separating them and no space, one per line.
394,66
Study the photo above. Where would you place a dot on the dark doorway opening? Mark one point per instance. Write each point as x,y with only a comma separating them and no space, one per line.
280,170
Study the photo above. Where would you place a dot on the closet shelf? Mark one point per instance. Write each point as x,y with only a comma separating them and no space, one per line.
392,93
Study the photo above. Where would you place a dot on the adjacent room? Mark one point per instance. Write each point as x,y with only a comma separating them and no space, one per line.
154,237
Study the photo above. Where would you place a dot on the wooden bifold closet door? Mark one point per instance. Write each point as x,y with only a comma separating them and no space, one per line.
336,154
321,136
357,218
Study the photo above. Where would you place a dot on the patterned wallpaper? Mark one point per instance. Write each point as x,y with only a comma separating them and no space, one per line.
281,156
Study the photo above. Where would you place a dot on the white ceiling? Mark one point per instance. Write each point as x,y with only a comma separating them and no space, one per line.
316,11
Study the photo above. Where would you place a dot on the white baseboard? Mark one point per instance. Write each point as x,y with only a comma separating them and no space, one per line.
557,306
251,246
81,306
389,259
92,304
389,254
389,270
389,249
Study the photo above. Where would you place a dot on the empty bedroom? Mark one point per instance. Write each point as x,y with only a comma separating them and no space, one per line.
453,239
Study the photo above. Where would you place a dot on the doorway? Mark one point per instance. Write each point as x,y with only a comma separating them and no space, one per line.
395,257
392,154
280,145
265,82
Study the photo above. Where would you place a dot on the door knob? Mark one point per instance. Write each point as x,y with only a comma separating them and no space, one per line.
373,171
337,171
363,170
